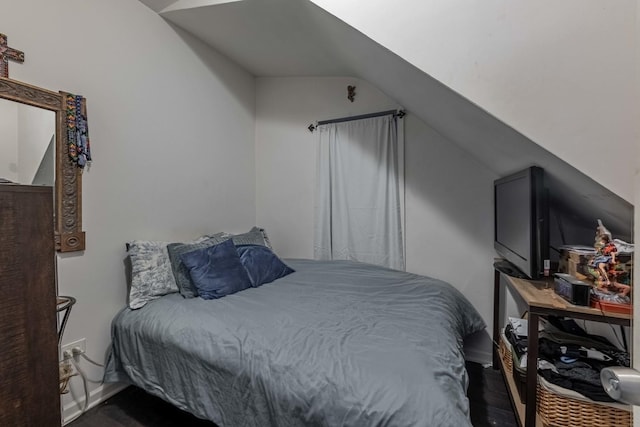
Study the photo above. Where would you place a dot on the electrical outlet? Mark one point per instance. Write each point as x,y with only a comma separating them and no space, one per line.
76,347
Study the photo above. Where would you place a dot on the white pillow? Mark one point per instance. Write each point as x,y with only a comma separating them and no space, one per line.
151,274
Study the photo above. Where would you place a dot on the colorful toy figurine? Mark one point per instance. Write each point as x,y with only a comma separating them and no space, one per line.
603,266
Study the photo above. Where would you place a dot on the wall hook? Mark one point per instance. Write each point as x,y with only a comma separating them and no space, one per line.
351,93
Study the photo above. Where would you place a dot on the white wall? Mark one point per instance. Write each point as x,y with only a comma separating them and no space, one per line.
9,140
561,73
449,211
172,133
449,206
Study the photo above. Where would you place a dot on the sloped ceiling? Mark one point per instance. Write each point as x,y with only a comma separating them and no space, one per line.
157,5
297,38
268,38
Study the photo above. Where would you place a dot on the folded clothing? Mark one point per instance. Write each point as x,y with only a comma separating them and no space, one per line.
568,363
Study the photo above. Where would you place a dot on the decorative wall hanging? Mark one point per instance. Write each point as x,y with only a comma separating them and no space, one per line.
351,93
77,129
6,54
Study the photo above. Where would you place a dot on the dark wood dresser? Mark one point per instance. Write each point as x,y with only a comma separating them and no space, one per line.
29,384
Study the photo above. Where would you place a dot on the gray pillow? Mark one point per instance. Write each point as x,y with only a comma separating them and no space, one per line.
255,236
151,273
216,271
180,270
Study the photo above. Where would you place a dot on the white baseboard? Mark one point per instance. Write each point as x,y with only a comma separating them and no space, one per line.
478,356
478,348
72,410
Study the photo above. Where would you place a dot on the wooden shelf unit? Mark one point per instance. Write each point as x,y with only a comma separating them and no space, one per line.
540,300
518,407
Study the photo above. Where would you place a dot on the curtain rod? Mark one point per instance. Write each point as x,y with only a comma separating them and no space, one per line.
395,113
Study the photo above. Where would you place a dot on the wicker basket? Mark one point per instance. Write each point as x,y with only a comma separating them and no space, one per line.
555,410
504,349
510,363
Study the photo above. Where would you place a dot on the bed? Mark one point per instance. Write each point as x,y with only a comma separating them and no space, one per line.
337,343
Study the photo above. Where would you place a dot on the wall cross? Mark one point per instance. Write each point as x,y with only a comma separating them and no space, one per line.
6,54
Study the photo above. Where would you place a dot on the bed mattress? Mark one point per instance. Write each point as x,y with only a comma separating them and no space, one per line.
336,343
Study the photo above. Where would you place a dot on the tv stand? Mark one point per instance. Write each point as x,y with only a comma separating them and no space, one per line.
505,267
540,300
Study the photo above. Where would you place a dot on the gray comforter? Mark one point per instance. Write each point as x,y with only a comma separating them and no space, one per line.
334,344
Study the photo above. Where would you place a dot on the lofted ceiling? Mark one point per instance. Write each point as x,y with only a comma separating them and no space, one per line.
297,38
268,38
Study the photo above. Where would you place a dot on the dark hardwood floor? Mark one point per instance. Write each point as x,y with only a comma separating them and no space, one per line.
488,398
133,407
489,401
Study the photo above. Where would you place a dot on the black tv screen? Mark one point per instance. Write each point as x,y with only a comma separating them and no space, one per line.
522,221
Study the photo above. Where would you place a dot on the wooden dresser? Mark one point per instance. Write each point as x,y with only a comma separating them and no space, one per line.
29,384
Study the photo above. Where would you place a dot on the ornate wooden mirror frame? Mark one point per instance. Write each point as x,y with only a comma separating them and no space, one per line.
69,236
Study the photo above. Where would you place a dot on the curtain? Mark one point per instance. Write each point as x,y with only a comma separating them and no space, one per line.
360,192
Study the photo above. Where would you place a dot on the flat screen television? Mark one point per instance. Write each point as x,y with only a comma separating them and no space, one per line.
521,228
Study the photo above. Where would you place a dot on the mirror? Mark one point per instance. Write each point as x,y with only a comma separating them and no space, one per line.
27,148
34,151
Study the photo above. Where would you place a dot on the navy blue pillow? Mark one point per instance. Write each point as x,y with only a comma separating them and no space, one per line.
216,271
262,264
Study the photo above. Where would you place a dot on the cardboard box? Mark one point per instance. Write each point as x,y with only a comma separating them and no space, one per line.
576,269
578,257
577,264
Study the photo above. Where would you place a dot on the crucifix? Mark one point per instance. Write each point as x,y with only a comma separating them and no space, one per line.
6,54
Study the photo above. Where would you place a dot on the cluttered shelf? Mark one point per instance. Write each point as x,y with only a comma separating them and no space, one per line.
541,295
555,405
542,302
